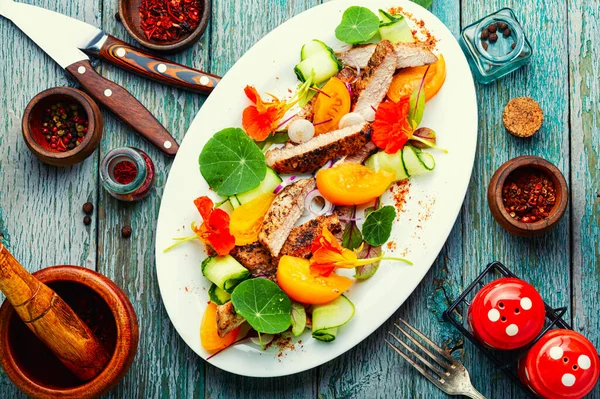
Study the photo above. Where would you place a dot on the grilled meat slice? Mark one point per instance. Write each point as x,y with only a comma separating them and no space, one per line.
227,319
375,80
408,55
360,156
256,258
310,156
347,74
284,212
301,237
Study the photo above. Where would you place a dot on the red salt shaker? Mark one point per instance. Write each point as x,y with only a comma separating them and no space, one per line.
563,364
127,173
507,313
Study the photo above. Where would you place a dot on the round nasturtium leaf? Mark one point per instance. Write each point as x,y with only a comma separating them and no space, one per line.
231,163
263,304
358,25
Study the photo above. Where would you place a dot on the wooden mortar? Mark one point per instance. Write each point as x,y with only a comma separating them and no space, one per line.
54,353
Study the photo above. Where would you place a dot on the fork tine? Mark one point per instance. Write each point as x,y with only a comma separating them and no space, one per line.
421,370
439,372
432,355
428,341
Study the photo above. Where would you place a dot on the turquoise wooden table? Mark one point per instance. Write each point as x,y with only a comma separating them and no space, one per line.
41,217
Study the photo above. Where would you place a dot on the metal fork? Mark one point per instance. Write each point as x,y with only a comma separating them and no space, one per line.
448,375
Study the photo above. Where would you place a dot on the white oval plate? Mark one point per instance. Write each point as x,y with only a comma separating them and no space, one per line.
432,207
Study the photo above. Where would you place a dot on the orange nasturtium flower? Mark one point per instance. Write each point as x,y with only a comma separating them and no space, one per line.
328,255
392,129
214,230
262,119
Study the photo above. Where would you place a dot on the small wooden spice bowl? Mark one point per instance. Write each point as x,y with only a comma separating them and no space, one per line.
129,14
101,304
494,196
32,126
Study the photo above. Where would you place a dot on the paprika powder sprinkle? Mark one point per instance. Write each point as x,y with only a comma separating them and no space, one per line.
528,195
125,172
168,20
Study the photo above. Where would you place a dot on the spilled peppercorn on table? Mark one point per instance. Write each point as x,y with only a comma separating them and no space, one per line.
41,206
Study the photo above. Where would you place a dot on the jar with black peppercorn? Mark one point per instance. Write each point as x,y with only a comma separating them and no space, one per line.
127,173
495,46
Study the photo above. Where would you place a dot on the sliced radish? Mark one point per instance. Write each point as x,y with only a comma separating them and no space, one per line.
300,131
351,119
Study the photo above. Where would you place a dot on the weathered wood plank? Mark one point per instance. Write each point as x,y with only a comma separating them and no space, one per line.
40,205
371,369
585,166
164,366
543,261
236,27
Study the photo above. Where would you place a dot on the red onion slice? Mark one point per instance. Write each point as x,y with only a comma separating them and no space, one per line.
284,184
327,209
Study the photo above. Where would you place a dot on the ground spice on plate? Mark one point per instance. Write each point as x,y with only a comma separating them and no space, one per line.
528,195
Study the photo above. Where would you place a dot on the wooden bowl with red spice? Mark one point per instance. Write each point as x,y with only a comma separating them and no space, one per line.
528,196
62,126
102,306
171,26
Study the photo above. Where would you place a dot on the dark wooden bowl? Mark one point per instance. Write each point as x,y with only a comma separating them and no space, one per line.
129,15
498,210
36,371
32,126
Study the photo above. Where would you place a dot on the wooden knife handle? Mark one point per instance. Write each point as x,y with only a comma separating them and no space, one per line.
124,106
138,61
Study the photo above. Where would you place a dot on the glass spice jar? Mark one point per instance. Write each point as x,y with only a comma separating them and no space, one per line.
495,46
127,173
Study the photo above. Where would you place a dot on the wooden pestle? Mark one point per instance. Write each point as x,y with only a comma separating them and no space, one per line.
51,319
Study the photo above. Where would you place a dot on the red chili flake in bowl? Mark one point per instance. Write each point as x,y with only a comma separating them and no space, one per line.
168,20
528,195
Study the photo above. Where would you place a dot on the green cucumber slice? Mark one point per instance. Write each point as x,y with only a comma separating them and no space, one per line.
313,47
218,296
412,163
390,162
427,160
298,318
328,317
268,185
327,335
224,271
396,31
386,17
324,64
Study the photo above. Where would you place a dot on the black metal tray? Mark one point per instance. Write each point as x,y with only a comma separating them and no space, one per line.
505,360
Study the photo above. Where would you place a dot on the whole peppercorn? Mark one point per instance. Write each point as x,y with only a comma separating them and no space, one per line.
126,231
492,28
484,33
507,32
87,220
502,25
493,38
88,208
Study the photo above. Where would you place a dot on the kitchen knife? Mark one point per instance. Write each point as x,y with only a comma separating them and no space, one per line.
92,40
61,38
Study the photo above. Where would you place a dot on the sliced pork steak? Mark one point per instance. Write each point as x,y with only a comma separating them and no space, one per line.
310,156
283,214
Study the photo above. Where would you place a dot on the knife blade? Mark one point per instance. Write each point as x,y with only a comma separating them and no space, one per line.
52,28
31,20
